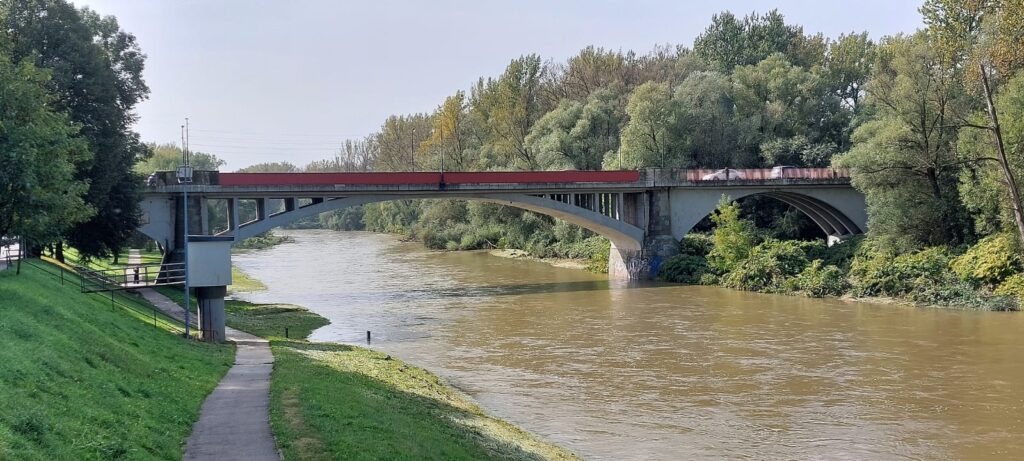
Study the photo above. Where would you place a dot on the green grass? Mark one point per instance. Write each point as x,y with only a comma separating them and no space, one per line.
83,380
241,282
266,320
270,320
331,401
72,256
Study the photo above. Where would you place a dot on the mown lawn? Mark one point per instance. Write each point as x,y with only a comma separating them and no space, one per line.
82,380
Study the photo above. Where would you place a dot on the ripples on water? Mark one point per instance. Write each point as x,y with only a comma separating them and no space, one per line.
615,370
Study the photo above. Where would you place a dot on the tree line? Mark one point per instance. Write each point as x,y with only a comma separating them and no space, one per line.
929,122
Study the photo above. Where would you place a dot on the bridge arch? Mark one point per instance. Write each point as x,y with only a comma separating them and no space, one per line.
624,236
840,213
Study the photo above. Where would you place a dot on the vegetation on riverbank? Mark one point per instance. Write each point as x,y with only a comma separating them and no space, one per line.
242,282
738,255
84,381
263,241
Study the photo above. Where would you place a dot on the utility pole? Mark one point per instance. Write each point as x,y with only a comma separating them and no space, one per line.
185,178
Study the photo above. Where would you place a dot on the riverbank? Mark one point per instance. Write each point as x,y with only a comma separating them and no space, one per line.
988,275
334,401
568,263
83,379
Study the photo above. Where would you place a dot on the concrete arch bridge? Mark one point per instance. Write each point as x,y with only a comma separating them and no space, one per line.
643,213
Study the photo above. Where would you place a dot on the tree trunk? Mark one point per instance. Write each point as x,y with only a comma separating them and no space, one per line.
1004,164
59,251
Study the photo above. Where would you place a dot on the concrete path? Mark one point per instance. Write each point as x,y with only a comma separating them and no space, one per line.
234,422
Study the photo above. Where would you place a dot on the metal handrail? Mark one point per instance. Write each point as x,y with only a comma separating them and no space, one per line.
160,318
131,277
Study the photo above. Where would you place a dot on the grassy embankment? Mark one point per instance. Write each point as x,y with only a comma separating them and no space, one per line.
83,380
331,401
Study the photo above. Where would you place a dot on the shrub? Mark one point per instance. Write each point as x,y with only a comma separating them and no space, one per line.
876,272
842,253
990,261
684,268
819,280
1012,286
769,266
709,278
695,244
733,237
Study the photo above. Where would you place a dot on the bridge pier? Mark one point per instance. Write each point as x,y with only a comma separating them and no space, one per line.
211,312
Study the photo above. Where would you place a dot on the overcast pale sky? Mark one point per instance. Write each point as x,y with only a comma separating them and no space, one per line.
288,81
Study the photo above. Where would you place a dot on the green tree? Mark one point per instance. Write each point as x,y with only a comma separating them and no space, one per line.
40,199
578,135
270,167
649,138
508,107
729,41
905,160
782,100
707,115
733,237
449,141
97,75
167,157
399,140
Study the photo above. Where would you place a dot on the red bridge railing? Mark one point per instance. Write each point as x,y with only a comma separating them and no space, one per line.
424,178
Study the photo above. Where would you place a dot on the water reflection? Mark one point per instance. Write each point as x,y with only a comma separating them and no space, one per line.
648,371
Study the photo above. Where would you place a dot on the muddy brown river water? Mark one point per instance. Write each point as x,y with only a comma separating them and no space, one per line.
652,371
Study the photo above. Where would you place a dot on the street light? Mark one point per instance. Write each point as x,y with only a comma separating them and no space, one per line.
185,178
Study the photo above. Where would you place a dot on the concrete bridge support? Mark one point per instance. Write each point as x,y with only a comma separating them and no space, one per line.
211,312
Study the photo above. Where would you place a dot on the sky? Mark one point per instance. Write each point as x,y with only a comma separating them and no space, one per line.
264,81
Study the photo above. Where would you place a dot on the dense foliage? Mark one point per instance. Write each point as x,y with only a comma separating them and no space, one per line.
905,113
987,275
94,77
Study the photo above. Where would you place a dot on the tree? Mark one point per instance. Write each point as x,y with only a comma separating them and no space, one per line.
578,135
707,113
448,140
508,107
97,77
847,68
168,157
399,141
270,167
729,42
783,100
354,155
905,160
733,237
40,199
649,139
992,188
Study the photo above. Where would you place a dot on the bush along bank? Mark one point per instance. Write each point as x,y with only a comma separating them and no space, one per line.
987,275
454,225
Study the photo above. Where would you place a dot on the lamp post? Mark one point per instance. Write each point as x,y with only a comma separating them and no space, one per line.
185,178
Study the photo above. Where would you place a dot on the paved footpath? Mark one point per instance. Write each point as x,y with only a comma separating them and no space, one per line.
233,423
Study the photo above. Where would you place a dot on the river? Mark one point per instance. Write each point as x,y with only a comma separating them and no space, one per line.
615,371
